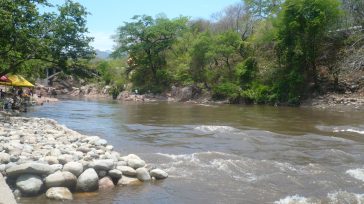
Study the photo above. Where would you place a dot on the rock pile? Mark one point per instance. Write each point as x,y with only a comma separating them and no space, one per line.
39,155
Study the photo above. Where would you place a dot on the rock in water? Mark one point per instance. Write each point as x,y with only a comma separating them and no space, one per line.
115,174
88,181
59,193
106,183
143,174
75,168
128,181
158,174
61,179
29,185
136,163
127,171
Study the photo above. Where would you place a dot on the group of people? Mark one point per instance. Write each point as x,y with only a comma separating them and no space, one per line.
16,99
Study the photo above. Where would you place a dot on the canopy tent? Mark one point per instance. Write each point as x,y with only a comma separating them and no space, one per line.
15,80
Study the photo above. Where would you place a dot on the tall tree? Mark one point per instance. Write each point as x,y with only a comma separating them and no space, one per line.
26,34
302,26
146,41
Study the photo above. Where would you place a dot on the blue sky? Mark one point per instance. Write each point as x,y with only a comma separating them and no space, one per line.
107,15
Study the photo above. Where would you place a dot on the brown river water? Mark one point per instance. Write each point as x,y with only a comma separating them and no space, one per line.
225,153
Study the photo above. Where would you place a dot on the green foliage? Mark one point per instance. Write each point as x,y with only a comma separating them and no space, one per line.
259,94
301,27
146,40
263,8
26,35
260,51
247,72
226,90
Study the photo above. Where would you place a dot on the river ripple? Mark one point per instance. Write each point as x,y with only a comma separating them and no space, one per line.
226,153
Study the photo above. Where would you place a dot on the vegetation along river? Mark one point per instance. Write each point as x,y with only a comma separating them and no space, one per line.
226,153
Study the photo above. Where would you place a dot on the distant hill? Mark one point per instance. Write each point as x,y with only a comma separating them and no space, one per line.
103,54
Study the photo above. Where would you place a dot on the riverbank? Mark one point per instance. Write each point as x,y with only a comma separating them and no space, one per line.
41,156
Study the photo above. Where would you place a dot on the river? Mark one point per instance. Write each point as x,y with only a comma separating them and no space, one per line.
225,153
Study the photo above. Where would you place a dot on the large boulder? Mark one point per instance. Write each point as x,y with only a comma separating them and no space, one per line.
61,179
29,185
136,163
30,168
59,193
75,168
88,181
158,174
143,174
106,183
104,164
127,171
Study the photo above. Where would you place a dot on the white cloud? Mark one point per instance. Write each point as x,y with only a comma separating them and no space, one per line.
102,40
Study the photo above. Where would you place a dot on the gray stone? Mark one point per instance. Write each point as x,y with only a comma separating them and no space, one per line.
61,179
115,174
57,167
65,158
74,167
106,183
102,173
4,158
127,171
29,185
122,163
88,181
106,164
30,168
136,163
59,193
158,174
14,158
143,174
51,160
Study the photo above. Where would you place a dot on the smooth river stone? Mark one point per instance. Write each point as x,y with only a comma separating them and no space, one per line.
61,179
30,168
59,193
136,163
29,184
88,181
143,174
127,171
158,174
74,167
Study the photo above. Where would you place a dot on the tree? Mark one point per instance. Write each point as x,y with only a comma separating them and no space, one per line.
146,41
26,35
302,26
263,8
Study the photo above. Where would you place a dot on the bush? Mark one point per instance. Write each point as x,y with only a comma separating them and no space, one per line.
226,91
259,94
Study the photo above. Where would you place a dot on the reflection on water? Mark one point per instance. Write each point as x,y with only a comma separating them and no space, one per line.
226,153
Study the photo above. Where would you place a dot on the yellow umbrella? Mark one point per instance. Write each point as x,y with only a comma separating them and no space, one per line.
17,80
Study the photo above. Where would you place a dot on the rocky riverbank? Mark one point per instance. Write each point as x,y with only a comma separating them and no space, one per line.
41,156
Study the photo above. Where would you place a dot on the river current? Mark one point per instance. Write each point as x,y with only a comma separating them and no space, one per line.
225,153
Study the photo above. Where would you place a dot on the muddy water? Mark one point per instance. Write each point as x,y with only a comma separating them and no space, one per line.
226,153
